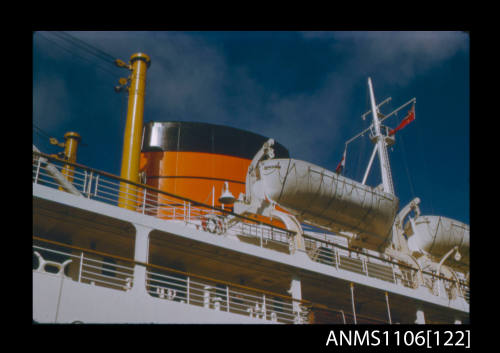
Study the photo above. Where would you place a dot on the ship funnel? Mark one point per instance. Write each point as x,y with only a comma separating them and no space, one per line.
226,198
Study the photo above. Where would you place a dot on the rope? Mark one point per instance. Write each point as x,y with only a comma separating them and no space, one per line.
98,53
72,52
45,138
405,163
41,132
284,180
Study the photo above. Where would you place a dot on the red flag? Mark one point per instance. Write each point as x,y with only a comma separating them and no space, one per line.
408,119
341,165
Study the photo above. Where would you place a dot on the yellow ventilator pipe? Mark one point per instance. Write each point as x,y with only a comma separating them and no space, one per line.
70,148
133,130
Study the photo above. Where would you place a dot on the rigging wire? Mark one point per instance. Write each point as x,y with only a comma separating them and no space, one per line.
44,134
98,53
72,52
41,132
403,155
361,164
426,166
405,162
44,137
361,158
81,50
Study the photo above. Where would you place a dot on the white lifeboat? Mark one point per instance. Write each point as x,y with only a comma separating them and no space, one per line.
326,199
436,235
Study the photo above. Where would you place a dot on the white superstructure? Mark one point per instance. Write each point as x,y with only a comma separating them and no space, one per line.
96,262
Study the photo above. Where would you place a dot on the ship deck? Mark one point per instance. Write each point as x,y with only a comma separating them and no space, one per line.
242,273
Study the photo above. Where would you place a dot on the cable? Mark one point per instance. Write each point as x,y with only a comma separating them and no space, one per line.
41,132
61,46
43,138
98,53
425,164
406,167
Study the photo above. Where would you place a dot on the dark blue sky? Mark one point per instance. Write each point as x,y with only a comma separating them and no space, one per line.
305,89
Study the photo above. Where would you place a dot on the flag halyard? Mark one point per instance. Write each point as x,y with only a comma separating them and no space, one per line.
341,165
408,119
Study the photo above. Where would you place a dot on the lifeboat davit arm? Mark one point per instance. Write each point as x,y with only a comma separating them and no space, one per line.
400,250
253,175
57,175
255,201
398,239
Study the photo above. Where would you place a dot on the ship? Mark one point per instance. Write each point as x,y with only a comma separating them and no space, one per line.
211,224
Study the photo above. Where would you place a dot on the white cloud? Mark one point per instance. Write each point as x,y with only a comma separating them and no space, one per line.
397,57
190,79
313,121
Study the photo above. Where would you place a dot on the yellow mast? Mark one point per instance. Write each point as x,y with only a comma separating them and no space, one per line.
139,63
70,147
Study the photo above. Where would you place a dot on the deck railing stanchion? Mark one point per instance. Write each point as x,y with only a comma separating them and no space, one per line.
144,201
388,308
81,266
89,185
352,302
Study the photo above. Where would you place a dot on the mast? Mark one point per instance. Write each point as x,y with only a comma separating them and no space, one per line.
385,167
70,147
139,63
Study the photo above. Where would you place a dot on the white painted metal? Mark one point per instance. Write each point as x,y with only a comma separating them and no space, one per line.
382,152
372,157
327,199
94,300
420,320
388,307
56,174
352,302
311,193
362,133
226,196
436,235
387,100
296,293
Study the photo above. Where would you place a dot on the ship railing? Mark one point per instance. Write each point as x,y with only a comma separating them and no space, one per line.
105,187
101,269
211,294
93,268
464,292
338,256
341,257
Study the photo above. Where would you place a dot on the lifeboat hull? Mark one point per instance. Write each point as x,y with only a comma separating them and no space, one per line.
437,235
326,199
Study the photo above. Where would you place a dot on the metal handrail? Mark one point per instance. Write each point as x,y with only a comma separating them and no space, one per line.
269,296
328,253
153,266
408,267
189,213
114,275
182,209
224,298
141,187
